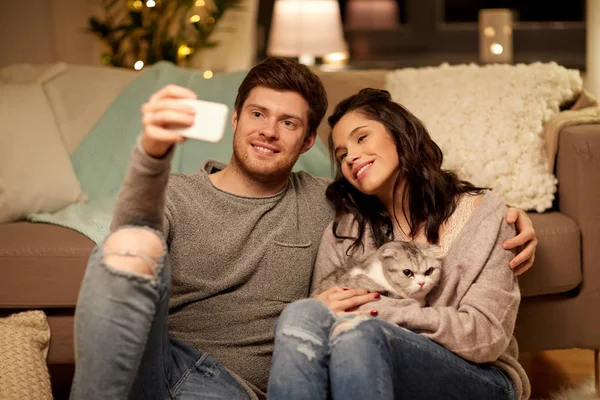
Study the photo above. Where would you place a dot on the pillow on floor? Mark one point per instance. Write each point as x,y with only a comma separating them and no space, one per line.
24,342
36,174
489,120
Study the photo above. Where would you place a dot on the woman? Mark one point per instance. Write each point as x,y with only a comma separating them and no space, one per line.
390,186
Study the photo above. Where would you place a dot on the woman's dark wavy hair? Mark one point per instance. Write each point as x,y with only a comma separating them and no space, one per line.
432,192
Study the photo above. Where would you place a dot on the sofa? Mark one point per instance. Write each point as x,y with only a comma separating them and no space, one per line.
41,265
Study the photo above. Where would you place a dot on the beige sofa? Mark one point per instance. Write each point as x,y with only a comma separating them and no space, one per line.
41,266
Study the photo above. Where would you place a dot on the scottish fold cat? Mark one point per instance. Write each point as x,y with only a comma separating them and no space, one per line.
397,269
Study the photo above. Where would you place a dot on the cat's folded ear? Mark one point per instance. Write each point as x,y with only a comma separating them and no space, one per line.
432,251
389,253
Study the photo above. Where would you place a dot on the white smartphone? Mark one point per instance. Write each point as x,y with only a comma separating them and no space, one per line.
209,123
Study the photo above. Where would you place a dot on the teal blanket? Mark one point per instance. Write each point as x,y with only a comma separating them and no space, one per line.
101,160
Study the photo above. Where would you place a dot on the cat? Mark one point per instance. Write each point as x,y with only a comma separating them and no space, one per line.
397,269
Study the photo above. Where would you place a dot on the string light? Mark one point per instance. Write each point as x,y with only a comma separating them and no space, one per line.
137,4
208,74
200,3
195,18
210,20
183,51
150,3
138,65
496,48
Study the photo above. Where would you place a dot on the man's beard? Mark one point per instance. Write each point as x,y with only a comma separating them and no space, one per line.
267,172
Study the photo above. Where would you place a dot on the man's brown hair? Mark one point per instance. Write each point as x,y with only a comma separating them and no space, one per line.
287,75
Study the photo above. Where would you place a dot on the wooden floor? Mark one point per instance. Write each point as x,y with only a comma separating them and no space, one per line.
549,371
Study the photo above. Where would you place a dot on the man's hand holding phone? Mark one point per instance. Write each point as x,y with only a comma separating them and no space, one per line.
173,114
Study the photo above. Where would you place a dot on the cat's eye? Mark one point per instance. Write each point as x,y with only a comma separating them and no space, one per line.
429,272
407,272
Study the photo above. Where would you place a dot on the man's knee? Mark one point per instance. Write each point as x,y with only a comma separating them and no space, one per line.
134,249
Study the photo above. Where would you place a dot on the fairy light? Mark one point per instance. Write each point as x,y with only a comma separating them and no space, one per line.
184,51
138,65
489,31
208,74
194,18
200,3
496,48
150,3
137,4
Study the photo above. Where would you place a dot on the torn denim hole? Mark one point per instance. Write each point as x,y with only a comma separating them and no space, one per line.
308,341
307,351
347,324
154,262
151,261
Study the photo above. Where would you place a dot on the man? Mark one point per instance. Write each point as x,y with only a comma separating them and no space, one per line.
181,299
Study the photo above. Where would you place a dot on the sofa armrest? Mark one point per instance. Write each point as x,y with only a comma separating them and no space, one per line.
578,173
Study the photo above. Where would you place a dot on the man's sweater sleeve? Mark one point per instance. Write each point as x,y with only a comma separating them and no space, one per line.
481,327
141,200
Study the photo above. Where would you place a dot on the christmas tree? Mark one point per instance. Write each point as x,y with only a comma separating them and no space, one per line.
137,33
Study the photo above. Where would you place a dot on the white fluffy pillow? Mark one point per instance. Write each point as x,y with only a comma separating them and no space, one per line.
488,122
36,174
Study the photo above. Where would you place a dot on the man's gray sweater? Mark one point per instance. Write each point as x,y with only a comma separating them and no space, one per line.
235,261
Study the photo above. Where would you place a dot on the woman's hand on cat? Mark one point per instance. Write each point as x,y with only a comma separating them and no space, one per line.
343,300
525,241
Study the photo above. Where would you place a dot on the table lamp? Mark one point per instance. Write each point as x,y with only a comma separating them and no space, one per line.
306,29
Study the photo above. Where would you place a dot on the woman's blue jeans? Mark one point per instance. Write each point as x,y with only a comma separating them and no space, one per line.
320,356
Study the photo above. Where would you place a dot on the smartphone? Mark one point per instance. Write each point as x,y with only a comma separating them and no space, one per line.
209,123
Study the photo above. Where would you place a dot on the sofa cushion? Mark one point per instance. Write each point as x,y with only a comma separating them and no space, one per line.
41,266
557,266
80,95
36,174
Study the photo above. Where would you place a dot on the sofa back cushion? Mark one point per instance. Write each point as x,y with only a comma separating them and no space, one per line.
35,171
80,95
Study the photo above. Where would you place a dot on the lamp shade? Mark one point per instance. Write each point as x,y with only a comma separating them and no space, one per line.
306,27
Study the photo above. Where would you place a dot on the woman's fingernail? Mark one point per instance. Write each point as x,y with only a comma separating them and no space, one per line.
377,296
374,313
345,288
